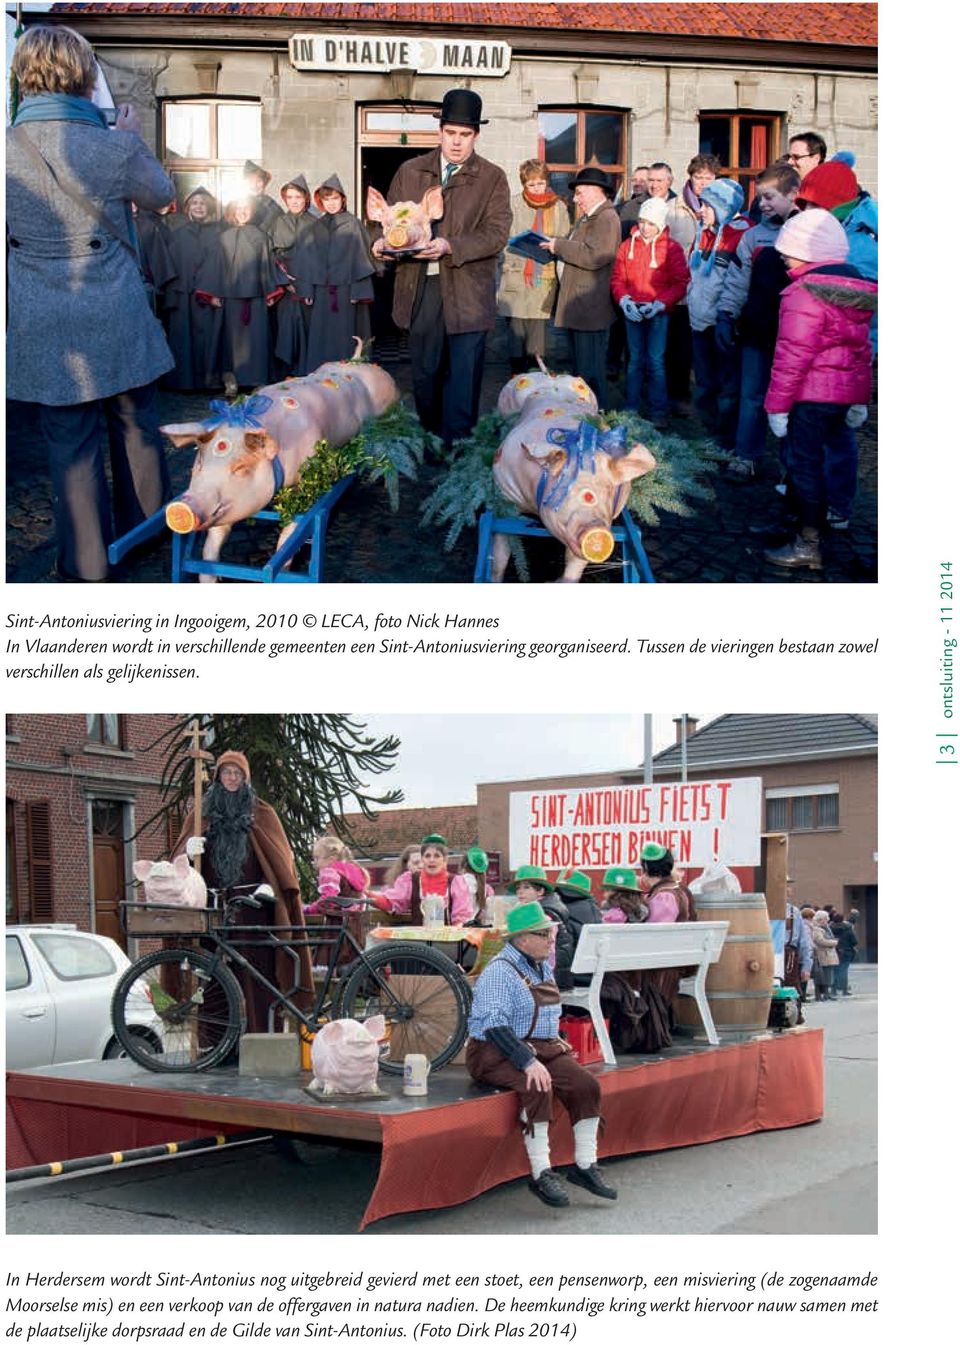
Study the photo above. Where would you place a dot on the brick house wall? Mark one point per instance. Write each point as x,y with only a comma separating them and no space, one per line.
51,758
395,829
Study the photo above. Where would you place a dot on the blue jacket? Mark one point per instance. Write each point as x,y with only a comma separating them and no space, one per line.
862,229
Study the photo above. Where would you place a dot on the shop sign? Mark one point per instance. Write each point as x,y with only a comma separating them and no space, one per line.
699,821
346,52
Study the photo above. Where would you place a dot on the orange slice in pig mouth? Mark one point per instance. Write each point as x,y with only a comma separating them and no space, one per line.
180,517
397,236
596,545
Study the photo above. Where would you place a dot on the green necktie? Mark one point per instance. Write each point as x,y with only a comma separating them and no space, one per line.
448,173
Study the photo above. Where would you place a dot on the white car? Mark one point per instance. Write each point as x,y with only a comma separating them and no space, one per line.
60,983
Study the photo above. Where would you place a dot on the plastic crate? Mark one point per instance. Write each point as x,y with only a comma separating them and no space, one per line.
582,1038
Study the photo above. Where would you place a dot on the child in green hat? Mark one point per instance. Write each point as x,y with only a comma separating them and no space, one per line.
531,884
473,867
515,1043
623,898
668,900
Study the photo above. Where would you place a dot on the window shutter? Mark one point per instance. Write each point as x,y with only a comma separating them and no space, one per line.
174,823
39,860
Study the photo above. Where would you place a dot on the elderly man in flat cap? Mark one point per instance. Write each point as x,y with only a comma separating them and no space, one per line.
446,294
584,305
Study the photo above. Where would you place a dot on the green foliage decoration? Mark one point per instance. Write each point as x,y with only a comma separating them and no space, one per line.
680,479
385,449
681,476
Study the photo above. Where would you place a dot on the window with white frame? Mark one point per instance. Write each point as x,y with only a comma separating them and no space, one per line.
803,808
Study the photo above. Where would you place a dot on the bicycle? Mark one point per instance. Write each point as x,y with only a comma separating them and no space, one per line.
423,995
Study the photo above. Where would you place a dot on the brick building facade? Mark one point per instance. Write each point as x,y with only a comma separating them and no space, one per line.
79,788
819,776
351,88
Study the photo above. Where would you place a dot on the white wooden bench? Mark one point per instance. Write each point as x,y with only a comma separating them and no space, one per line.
603,948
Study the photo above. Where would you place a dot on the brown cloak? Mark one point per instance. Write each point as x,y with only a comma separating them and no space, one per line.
270,861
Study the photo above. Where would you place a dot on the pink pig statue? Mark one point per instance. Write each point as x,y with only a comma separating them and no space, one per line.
176,884
406,225
345,1055
556,463
248,451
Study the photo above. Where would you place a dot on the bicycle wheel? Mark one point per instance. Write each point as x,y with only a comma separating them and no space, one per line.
423,995
193,1005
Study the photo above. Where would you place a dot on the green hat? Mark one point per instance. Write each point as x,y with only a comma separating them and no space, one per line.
434,839
576,882
653,851
477,859
526,918
624,879
530,873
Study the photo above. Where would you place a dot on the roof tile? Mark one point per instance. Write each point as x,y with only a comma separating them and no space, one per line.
843,25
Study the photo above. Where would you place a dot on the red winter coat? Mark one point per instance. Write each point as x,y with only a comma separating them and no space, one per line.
823,349
634,275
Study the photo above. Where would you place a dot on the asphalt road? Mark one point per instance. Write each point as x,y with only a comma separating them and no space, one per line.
820,1178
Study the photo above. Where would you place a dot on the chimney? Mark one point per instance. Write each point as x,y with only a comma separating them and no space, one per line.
691,726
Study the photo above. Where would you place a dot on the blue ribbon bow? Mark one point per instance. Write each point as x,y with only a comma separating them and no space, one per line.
581,447
243,415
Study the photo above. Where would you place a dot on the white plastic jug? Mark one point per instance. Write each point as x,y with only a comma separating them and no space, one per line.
498,913
432,911
415,1071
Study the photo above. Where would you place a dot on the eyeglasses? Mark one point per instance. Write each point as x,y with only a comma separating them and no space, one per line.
795,158
539,933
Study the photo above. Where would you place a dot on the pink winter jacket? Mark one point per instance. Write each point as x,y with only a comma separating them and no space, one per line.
823,343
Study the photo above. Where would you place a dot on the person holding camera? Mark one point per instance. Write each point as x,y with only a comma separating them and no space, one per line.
82,339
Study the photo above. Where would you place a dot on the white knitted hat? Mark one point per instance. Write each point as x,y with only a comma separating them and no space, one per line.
655,210
813,236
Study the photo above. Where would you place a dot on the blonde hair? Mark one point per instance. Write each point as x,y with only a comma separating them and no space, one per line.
330,848
54,60
531,169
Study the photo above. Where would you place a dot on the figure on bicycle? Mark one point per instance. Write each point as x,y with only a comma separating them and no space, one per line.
243,843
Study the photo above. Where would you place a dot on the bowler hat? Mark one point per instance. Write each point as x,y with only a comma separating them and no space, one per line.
653,851
526,918
592,177
461,107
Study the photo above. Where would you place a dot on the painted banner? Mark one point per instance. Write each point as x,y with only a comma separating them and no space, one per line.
699,821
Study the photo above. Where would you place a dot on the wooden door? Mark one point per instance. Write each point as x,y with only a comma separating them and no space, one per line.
109,878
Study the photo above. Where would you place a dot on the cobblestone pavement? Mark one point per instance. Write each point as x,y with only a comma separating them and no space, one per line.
368,543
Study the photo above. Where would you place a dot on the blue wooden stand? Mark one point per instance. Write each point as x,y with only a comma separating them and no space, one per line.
310,530
633,558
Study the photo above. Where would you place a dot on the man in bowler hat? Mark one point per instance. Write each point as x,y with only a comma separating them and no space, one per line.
584,305
446,294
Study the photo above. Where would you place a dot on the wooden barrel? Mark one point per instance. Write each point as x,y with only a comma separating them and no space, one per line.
740,985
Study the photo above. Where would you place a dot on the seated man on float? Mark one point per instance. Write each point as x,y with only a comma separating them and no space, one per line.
408,894
515,1043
